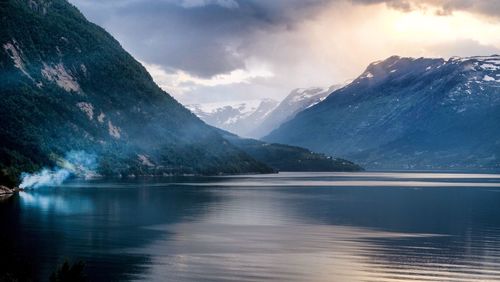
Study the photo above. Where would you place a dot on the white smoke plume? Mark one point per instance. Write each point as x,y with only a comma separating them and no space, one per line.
45,177
75,163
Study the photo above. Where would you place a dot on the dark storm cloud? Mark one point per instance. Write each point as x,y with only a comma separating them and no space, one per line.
209,37
201,37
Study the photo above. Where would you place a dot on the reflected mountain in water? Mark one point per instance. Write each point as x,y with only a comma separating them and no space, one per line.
317,227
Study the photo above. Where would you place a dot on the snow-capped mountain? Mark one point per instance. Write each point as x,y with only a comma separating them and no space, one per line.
297,101
408,113
240,117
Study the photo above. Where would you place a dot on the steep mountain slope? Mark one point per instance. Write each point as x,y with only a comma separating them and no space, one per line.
289,158
237,117
409,113
67,85
297,101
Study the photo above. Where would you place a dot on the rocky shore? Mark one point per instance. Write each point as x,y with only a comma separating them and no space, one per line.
6,192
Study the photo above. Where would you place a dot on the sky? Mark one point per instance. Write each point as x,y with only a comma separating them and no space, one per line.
202,51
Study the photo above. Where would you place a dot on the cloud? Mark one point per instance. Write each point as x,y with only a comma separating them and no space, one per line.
201,37
463,48
485,7
214,50
444,7
181,82
230,4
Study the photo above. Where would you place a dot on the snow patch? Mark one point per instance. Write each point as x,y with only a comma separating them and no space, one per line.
240,117
317,102
470,67
493,61
245,107
87,108
238,111
61,77
488,78
490,67
114,130
303,94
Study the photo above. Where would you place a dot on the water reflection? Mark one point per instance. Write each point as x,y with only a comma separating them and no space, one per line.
334,233
287,227
54,204
286,253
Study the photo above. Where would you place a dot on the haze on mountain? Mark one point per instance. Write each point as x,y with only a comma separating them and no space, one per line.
297,101
263,49
67,85
240,117
407,113
257,118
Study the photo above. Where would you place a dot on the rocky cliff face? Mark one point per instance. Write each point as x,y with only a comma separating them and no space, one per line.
409,113
66,84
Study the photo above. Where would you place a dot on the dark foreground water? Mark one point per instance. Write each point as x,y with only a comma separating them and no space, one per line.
287,227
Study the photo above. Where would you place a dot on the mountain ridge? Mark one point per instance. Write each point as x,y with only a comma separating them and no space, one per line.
282,157
298,100
256,118
239,117
69,85
408,113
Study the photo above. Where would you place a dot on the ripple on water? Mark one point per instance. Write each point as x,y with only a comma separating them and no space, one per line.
285,227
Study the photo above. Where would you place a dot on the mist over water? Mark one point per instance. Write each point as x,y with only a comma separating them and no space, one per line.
317,227
75,163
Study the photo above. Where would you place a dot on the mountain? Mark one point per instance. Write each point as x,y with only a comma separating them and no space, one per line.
238,117
289,158
408,113
256,118
297,101
67,85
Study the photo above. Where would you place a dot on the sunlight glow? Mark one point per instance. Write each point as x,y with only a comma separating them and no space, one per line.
426,26
336,45
179,82
344,39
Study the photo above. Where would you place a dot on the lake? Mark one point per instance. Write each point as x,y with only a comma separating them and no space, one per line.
368,226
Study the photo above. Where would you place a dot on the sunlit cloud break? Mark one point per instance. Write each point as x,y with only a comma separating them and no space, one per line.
198,50
180,82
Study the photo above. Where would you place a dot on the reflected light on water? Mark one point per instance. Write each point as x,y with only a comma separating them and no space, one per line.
219,252
282,227
54,203
339,183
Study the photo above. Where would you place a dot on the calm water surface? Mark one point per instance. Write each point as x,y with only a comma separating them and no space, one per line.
286,227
